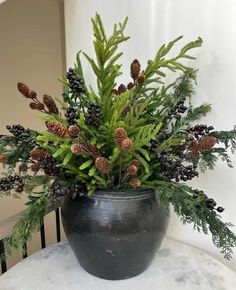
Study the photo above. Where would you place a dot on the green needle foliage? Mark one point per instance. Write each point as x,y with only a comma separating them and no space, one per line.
119,136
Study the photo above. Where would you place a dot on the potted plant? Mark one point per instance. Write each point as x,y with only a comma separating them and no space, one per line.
117,157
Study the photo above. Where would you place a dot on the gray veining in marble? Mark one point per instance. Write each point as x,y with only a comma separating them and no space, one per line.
176,266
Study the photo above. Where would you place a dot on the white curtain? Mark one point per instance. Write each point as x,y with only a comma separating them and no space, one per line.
153,22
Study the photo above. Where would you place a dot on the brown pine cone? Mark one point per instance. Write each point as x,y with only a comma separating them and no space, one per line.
33,106
50,104
131,170
32,94
119,135
40,106
193,154
141,79
135,162
23,167
3,158
35,167
102,164
207,143
130,86
194,144
38,154
94,150
121,89
77,149
127,144
23,89
73,131
135,182
135,69
58,129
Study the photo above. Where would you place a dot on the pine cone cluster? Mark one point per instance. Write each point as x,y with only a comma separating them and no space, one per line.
36,106
135,68
207,143
135,182
23,89
127,144
38,154
93,150
35,167
120,135
102,164
131,170
77,149
57,129
74,131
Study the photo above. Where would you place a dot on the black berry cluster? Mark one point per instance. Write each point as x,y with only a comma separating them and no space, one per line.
49,166
160,138
22,134
76,83
94,115
209,202
12,182
174,169
71,115
198,131
57,191
178,109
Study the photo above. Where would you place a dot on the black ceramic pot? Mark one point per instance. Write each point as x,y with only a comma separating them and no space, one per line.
114,234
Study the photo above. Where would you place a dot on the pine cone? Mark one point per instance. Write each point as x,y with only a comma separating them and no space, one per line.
58,129
141,79
33,106
126,144
77,149
23,167
207,143
102,164
130,86
194,144
38,154
35,167
23,89
119,135
40,106
193,154
121,89
3,158
32,94
73,131
135,69
135,182
131,170
94,150
50,104
135,162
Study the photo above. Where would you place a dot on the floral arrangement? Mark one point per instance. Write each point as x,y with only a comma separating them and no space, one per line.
138,135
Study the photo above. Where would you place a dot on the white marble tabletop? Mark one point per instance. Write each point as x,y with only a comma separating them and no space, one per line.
176,266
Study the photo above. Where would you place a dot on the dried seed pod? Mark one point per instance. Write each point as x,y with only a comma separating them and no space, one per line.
121,89
135,182
23,167
3,158
127,144
77,149
194,144
38,154
94,150
130,86
141,79
50,104
32,94
119,135
135,69
40,106
73,131
23,89
131,170
102,164
58,129
35,167
135,162
33,106
207,143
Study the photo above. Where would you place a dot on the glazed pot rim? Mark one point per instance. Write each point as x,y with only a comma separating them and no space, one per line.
123,194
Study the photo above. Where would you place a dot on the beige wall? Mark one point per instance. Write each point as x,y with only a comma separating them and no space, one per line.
30,51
